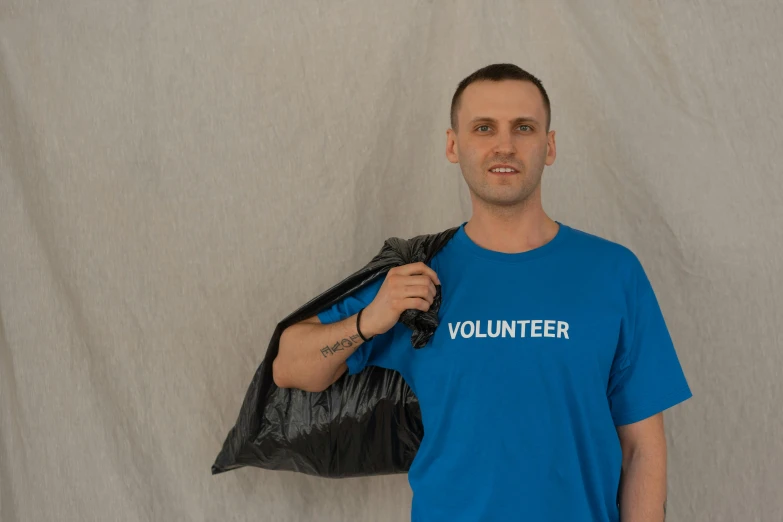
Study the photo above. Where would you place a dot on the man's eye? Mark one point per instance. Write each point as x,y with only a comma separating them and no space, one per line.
528,126
482,127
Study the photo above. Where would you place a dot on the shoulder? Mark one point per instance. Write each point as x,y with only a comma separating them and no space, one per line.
601,246
605,255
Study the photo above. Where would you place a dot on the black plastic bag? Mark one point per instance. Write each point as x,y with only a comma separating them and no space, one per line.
363,424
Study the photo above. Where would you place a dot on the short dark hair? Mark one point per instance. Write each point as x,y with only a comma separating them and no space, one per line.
498,72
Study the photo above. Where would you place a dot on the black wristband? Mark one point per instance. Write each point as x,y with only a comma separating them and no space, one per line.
358,316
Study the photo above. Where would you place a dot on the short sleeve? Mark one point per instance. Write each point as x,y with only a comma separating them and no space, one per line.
351,304
376,352
646,376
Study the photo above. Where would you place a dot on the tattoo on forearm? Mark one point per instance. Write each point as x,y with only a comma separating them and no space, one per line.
339,345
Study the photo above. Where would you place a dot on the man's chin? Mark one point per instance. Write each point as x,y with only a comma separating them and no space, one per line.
504,200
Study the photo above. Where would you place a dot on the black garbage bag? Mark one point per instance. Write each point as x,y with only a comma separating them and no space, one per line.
363,424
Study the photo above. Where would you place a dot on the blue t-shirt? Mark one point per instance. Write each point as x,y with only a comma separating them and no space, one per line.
537,358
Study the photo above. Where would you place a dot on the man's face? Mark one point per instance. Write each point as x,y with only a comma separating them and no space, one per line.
501,123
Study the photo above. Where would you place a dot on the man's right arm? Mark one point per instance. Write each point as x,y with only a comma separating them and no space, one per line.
312,355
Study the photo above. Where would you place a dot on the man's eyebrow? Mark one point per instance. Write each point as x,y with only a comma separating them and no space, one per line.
521,119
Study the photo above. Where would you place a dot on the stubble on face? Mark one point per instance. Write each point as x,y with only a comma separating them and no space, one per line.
525,151
502,191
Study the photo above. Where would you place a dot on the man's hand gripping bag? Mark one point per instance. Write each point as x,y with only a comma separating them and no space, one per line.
364,424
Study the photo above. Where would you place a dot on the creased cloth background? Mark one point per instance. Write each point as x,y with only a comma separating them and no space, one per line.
177,176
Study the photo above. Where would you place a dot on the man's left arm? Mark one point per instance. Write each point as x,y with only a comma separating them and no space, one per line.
643,486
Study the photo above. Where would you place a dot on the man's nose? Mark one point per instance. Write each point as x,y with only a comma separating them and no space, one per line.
504,144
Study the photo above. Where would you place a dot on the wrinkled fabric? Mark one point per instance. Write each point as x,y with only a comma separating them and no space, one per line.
364,424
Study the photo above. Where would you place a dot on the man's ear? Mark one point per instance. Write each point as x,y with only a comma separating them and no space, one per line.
452,149
551,149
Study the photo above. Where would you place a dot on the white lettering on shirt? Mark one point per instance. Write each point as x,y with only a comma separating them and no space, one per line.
501,328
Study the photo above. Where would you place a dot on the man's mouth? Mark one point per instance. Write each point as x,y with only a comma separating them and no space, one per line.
504,170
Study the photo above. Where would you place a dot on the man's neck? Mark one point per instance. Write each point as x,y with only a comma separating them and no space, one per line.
511,234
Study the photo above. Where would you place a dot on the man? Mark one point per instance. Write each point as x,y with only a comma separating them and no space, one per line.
552,363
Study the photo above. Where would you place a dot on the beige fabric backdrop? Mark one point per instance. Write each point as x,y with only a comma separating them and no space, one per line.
177,176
